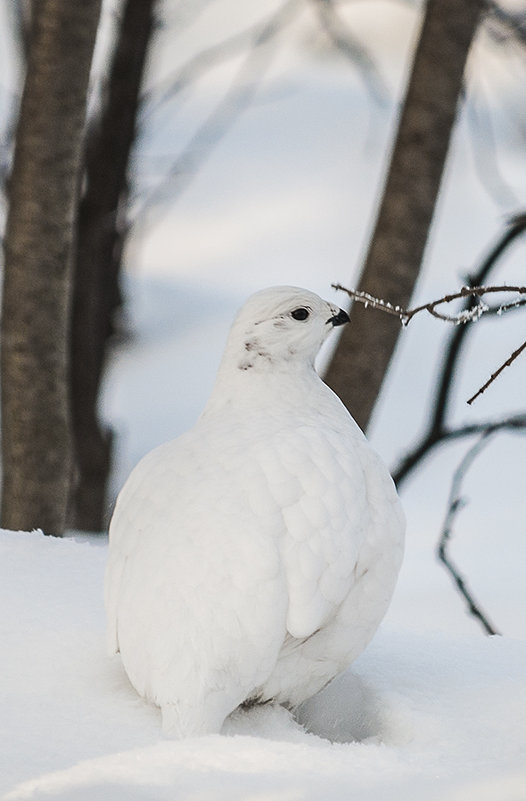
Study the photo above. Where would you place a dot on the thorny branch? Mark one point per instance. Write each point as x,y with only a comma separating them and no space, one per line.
456,502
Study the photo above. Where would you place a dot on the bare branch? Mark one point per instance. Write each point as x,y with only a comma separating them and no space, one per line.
351,48
496,374
257,38
485,149
237,98
437,430
434,437
464,316
456,502
196,67
512,23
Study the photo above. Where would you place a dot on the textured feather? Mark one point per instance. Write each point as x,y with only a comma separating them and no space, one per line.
253,557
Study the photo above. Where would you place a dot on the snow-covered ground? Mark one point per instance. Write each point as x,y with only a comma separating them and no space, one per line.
423,713
433,709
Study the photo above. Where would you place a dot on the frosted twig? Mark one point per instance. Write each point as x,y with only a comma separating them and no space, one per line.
506,307
464,316
456,502
465,292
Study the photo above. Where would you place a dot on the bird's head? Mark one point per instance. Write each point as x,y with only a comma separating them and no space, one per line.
280,326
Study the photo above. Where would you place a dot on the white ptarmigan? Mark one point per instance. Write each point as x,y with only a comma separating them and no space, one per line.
252,558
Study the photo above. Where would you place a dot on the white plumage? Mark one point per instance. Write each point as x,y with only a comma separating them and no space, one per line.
252,558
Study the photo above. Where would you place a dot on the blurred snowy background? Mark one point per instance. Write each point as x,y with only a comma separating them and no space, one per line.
286,195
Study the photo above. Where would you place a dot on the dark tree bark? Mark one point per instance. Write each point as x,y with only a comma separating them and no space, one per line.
393,262
36,433
101,233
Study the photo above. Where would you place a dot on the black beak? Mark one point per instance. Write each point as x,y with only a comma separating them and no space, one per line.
340,318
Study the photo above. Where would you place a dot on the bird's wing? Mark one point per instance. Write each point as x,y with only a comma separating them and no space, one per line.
318,483
150,486
194,573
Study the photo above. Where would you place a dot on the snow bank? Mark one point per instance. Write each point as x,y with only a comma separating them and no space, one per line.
421,715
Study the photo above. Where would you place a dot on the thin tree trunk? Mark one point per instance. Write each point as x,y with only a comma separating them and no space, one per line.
101,233
393,262
36,436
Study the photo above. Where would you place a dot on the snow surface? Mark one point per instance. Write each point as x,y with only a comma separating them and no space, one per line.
432,709
424,715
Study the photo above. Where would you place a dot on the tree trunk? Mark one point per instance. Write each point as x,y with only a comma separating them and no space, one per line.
393,262
36,435
101,233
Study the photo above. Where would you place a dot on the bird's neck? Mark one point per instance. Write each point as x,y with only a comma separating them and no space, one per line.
259,383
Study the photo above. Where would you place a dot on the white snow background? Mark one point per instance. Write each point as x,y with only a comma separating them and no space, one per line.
433,709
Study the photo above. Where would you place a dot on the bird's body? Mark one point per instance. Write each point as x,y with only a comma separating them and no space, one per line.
252,558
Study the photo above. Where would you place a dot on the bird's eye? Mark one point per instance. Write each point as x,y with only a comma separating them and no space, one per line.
300,314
